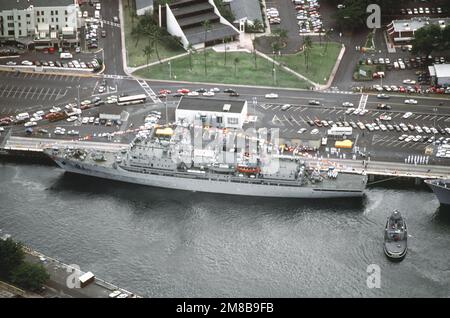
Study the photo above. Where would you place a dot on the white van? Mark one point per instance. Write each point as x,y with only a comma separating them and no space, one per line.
23,116
396,66
65,56
97,14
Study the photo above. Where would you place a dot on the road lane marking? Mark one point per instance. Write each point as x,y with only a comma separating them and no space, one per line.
4,90
28,93
40,93
21,93
10,91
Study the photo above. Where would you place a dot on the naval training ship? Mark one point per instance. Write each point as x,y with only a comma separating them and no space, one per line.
441,188
167,158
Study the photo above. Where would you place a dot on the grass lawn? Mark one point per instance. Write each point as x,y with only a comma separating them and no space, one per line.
320,64
217,72
136,56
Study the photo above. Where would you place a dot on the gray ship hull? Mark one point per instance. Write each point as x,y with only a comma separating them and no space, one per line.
441,189
208,185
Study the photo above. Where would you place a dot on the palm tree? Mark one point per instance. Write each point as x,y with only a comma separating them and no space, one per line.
307,45
206,26
327,38
320,36
148,50
280,36
136,32
236,61
133,15
225,51
190,48
155,37
257,25
254,52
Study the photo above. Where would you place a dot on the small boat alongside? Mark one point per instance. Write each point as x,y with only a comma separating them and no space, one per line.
395,236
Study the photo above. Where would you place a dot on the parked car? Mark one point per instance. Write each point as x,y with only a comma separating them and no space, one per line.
271,95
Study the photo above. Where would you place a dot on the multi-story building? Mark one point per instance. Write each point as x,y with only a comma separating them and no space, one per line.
402,31
40,23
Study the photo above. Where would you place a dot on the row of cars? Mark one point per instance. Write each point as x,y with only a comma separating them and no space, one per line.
99,121
404,63
273,16
382,124
163,93
399,89
425,139
421,10
94,64
91,34
308,16
444,151
70,112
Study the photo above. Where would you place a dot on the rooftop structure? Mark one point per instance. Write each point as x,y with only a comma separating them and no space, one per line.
185,19
144,6
212,112
248,10
440,74
401,31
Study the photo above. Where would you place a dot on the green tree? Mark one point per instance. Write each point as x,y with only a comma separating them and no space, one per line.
427,39
148,51
307,45
353,16
236,61
133,16
254,52
281,35
327,39
190,49
225,41
136,33
258,26
30,276
11,256
446,37
206,27
155,35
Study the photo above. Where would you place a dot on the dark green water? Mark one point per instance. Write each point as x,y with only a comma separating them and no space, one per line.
165,243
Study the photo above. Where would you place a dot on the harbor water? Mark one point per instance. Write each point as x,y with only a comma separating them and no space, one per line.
168,243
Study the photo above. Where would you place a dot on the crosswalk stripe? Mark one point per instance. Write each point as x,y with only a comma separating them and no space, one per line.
150,93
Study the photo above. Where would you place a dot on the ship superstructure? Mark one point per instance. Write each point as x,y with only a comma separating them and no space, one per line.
212,160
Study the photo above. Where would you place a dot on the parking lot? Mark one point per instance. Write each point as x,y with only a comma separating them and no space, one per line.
385,140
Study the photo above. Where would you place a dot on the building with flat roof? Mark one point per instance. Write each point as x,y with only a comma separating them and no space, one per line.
40,23
246,11
184,19
402,31
440,74
220,113
143,7
111,112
